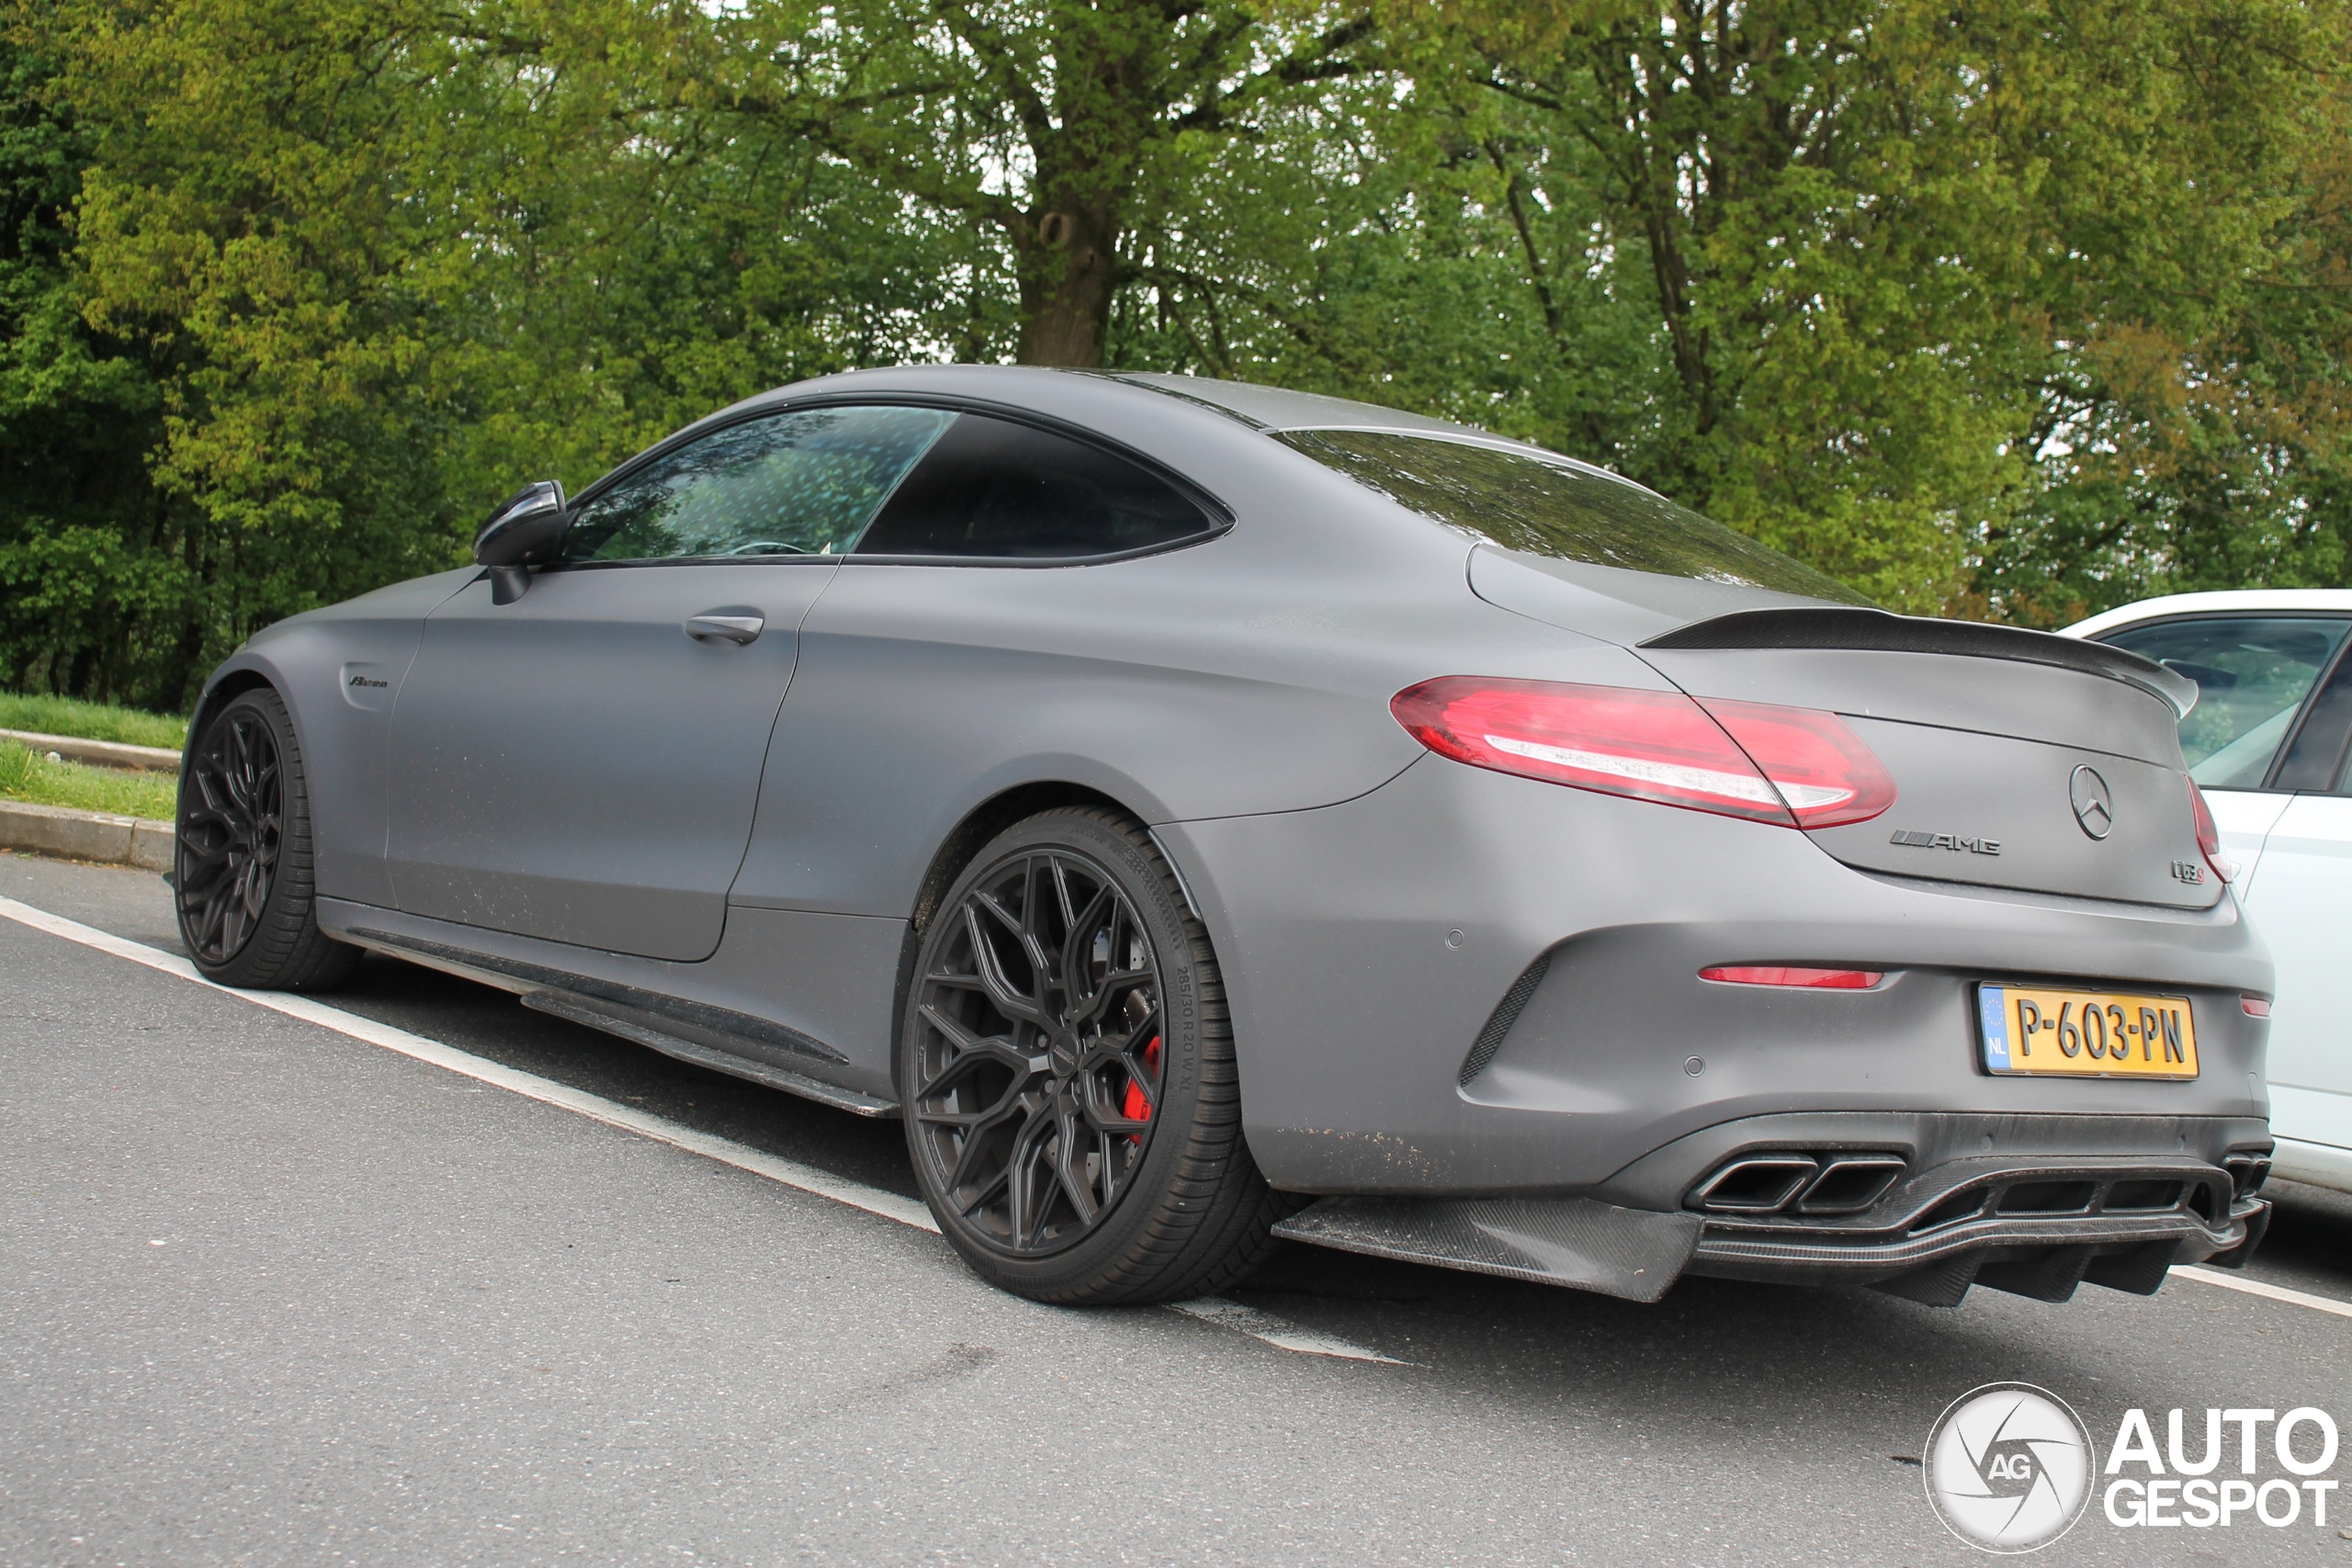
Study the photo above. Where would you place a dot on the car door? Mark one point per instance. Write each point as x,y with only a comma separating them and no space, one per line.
2255,673
972,627
2300,897
2266,743
582,764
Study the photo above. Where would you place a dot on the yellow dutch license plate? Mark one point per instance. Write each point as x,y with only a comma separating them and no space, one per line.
2029,1030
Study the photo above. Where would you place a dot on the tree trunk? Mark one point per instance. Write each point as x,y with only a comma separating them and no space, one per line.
1066,256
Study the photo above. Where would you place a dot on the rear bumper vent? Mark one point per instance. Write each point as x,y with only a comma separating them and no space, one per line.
1498,1022
2044,1195
2152,1195
1797,1181
2049,1198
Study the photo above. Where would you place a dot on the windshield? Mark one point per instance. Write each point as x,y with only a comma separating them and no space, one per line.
1522,502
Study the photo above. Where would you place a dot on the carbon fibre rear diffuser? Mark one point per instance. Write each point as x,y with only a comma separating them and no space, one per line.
1630,1253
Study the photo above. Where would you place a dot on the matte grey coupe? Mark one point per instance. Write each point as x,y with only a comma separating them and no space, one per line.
1206,814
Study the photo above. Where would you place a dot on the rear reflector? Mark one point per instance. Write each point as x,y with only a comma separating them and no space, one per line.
1780,975
2253,1007
1791,767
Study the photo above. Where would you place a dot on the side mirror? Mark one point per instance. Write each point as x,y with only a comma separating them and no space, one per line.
526,530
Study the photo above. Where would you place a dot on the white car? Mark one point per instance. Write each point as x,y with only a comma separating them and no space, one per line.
2268,743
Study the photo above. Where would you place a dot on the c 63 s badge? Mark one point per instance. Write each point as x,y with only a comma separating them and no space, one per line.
1911,838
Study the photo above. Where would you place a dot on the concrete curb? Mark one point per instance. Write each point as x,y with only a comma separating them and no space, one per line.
105,753
85,835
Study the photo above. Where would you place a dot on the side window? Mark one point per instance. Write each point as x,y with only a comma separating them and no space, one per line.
2251,676
801,483
992,489
2316,758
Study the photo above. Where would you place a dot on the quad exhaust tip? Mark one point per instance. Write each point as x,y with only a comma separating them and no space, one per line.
1792,1181
1825,1182
2248,1173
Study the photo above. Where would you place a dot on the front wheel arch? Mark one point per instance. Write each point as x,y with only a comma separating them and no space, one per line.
224,689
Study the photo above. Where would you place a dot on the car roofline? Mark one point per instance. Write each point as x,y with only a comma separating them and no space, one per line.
2322,599
1465,438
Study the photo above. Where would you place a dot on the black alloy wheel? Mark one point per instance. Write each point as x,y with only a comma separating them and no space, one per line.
1069,1092
231,826
242,871
1042,1051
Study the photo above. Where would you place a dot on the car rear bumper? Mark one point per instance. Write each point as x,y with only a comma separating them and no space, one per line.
1473,985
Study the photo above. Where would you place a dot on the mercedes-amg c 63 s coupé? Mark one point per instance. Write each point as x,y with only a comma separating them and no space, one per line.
1205,814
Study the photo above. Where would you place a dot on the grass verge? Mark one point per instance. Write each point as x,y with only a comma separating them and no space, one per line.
91,721
28,776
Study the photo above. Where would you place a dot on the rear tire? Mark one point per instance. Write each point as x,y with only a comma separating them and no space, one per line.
242,871
1076,1125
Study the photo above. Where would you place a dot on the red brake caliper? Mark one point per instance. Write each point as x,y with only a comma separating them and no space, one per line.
1138,1108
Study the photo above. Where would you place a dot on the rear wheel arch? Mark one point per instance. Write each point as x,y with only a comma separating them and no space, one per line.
989,818
1189,1215
966,839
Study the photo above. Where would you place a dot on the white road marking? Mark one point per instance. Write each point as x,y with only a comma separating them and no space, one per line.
789,1173
2257,1288
1262,1326
1279,1332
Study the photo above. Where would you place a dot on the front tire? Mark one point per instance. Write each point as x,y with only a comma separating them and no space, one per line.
1071,1098
241,873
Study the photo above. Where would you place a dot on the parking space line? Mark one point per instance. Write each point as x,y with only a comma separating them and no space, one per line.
788,1173
1279,1332
1266,1327
2257,1288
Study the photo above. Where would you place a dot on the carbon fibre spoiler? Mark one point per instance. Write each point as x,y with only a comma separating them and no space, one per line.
1833,626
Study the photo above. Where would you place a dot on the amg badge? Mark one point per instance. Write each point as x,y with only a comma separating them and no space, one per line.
1912,838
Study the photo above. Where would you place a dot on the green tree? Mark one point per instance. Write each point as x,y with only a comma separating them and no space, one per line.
93,582
1067,129
1889,246
394,259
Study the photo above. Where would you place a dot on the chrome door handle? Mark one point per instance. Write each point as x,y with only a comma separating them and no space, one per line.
725,629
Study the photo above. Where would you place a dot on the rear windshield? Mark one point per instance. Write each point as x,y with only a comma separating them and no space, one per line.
1550,509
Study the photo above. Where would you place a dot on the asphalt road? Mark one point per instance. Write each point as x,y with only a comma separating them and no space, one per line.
273,1293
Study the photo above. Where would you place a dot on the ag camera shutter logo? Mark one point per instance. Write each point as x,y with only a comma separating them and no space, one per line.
2009,1467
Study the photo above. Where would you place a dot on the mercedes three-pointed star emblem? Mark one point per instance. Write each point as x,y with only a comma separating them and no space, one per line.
2094,804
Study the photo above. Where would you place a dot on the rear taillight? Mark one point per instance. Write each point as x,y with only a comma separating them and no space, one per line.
2209,836
1793,767
1820,766
1788,975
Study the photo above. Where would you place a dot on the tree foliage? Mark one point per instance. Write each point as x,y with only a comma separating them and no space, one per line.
2014,310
